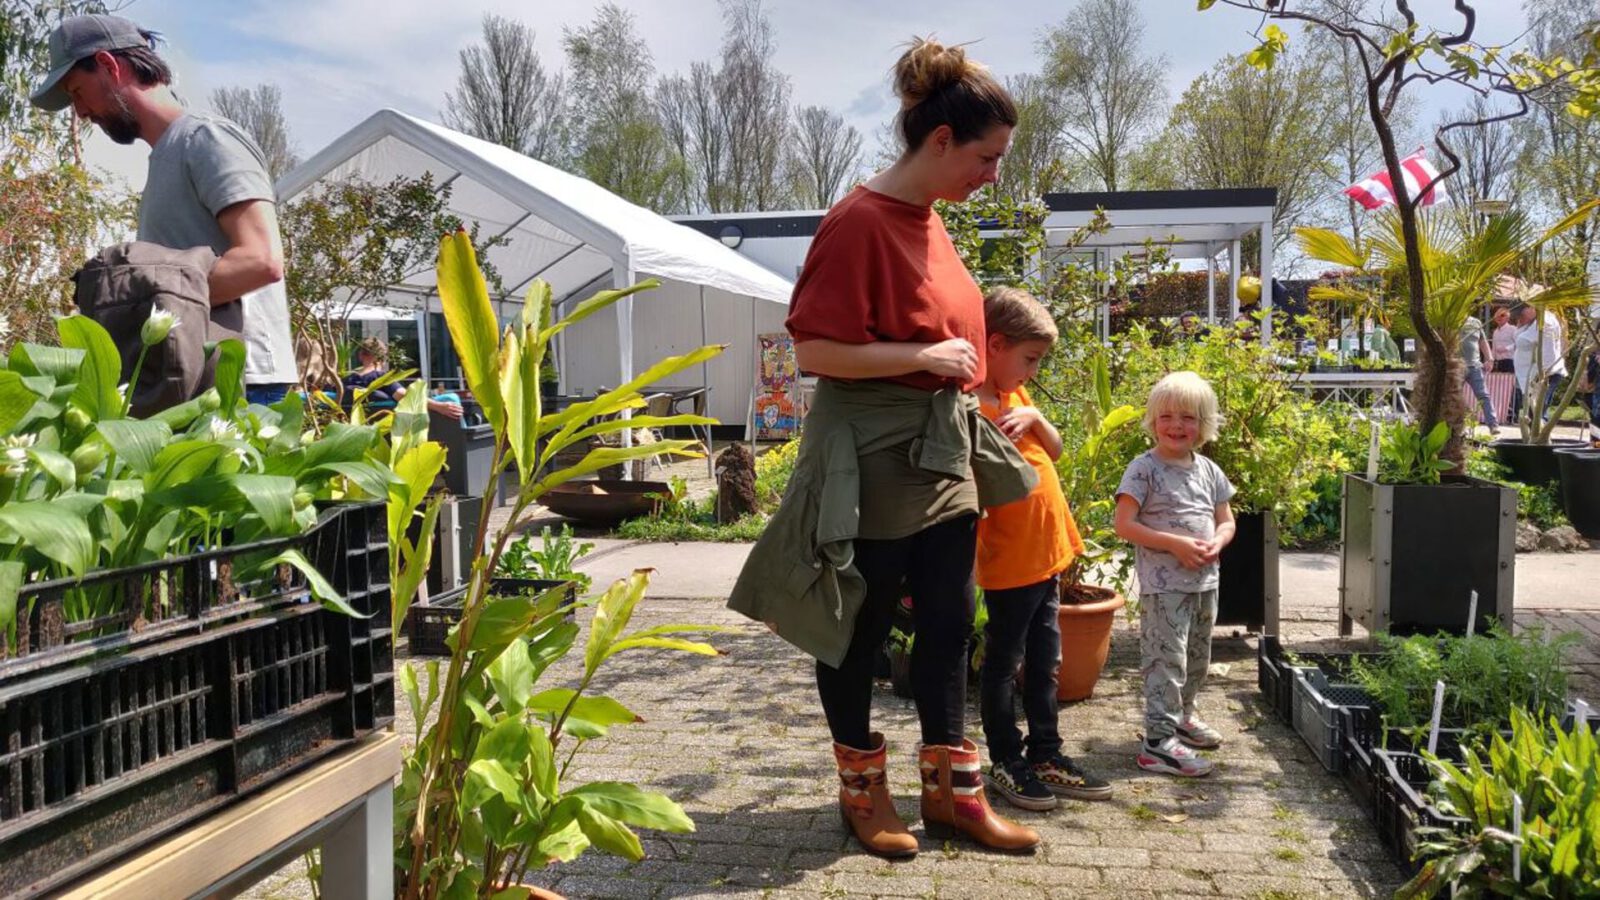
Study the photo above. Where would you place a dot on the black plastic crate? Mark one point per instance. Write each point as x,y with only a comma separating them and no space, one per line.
430,622
1275,677
1404,807
1316,717
1358,730
110,741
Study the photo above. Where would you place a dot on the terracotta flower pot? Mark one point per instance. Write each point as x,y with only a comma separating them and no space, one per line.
1085,638
539,893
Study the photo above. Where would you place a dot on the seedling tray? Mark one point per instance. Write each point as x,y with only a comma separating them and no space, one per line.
1316,716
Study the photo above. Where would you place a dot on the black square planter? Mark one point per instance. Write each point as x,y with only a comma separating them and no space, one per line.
1247,589
1412,553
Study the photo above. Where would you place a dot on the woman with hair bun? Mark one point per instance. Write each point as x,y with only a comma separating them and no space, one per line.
896,461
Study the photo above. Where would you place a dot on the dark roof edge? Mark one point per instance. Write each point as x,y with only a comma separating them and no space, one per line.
799,225
1072,202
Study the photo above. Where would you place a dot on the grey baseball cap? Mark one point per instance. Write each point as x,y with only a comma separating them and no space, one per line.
78,38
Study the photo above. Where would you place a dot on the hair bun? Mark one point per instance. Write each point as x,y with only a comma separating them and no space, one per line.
928,67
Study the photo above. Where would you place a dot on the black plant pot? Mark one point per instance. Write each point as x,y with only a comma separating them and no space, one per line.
1580,488
1247,592
1531,463
1411,555
900,673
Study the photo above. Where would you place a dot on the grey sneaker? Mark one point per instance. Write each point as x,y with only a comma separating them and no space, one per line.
1172,757
1016,782
1198,734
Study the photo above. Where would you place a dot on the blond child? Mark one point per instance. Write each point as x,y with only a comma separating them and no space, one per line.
1172,505
1023,548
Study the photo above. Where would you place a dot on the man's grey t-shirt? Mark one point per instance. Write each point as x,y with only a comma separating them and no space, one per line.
201,166
1177,499
1471,335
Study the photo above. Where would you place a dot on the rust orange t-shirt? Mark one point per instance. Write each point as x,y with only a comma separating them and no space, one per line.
1027,541
881,269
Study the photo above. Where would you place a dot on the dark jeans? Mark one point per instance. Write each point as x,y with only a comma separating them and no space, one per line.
935,565
265,394
1023,630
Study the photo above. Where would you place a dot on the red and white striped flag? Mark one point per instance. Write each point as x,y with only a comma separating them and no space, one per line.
1375,190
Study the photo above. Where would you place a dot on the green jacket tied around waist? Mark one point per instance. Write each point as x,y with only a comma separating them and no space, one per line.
801,576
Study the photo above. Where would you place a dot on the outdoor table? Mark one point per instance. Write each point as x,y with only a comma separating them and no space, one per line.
344,804
1366,389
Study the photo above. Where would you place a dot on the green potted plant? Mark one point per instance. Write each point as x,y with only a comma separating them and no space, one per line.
482,798
1550,776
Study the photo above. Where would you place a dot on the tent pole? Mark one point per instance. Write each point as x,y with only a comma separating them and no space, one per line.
705,385
422,343
1233,280
621,277
1211,284
1266,283
755,375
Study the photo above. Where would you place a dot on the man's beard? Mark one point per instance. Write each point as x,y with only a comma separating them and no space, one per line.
121,125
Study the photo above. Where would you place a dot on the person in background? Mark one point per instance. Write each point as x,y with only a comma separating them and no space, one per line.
1539,335
207,183
1475,353
1023,548
1503,341
1172,505
372,363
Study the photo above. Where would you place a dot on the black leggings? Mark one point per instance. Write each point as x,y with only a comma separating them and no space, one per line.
935,567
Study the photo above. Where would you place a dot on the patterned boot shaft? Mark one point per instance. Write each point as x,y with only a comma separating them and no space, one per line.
966,780
859,772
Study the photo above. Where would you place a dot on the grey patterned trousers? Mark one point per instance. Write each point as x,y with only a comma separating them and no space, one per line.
1174,653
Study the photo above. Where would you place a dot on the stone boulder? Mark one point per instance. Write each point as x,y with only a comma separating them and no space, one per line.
1563,539
1527,537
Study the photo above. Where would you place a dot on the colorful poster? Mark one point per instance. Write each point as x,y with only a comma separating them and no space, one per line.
777,409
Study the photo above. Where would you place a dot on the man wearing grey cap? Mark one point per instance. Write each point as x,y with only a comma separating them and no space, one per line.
207,183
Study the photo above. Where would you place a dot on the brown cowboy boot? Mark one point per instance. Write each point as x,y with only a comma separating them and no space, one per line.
865,804
953,800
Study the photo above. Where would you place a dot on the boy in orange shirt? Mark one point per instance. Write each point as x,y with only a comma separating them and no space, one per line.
1023,548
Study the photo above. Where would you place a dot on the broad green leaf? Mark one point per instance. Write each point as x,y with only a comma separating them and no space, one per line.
506,743
633,805
135,442
599,710
608,834
372,479
611,615
542,761
415,473
182,462
503,620
406,677
661,643
627,395
54,529
1564,856
493,778
612,426
271,497
1102,384
12,572
551,646
511,674
474,330
230,376
340,443
320,588
601,457
60,363
179,417
408,428
57,466
16,399
562,839
97,390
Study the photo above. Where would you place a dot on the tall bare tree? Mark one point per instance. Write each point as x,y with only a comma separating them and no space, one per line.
504,95
259,111
691,114
826,156
619,140
755,108
1038,161
1489,155
1111,93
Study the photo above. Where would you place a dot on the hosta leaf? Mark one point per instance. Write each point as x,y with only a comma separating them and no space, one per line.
97,390
340,443
372,479
271,497
16,399
54,529
230,375
135,442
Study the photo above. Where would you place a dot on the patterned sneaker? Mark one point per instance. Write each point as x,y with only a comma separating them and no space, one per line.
1198,734
1062,776
1016,782
1171,757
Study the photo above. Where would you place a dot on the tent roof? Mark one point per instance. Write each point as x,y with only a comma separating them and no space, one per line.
560,227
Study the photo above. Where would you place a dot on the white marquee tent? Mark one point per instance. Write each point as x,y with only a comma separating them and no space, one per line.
580,238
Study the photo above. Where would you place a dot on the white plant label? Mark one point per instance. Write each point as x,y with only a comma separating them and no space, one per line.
1516,829
1472,614
1433,725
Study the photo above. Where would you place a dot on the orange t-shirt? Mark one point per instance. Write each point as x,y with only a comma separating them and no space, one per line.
881,269
1027,541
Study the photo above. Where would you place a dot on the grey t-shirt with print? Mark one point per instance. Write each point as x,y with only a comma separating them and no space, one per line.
200,166
1177,499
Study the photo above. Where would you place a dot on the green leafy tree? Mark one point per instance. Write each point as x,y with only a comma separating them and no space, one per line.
259,111
349,243
1407,55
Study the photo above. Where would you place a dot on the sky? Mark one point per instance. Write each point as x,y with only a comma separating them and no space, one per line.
338,61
